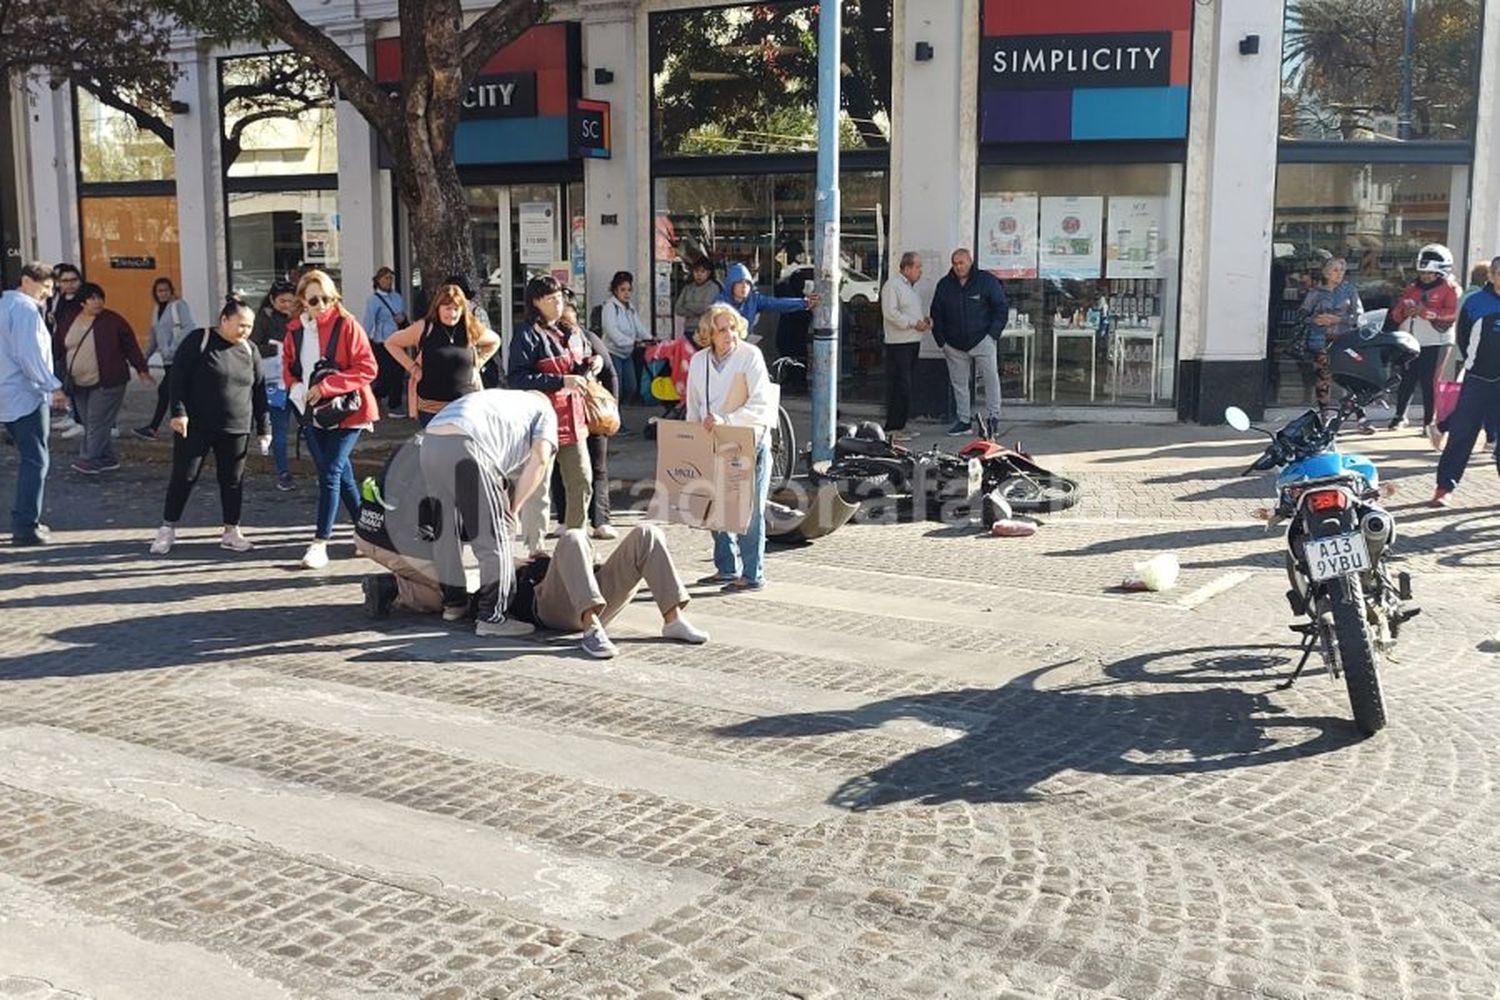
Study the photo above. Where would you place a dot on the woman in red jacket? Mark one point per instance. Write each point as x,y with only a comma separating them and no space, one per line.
328,330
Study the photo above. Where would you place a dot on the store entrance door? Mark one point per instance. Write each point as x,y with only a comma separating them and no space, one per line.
519,233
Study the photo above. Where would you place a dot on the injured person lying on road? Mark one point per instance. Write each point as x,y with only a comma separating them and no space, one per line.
567,592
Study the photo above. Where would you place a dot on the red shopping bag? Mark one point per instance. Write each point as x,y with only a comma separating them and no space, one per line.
1447,399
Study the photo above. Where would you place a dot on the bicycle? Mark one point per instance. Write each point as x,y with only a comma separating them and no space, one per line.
783,436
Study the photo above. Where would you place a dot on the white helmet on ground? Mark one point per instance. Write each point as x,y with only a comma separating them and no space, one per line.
1435,257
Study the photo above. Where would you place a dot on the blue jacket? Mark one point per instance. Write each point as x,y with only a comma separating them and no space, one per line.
963,315
1481,360
754,302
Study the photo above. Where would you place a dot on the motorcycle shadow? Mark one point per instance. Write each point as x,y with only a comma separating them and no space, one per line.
1210,717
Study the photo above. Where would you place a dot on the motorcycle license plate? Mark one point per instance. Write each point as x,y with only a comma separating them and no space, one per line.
1340,555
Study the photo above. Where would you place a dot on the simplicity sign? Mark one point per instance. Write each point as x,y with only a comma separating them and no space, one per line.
1085,69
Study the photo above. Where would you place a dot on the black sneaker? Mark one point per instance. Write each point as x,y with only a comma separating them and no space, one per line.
380,593
961,429
30,541
108,464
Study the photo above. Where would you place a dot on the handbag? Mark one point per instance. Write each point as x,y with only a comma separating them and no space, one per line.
600,408
1446,400
329,412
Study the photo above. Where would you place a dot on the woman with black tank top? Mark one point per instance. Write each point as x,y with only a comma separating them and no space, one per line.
451,346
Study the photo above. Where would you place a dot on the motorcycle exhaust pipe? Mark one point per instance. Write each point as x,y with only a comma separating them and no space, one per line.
1379,529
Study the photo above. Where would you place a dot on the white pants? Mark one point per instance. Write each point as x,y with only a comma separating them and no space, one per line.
986,357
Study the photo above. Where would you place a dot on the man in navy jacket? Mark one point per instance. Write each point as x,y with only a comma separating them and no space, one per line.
968,315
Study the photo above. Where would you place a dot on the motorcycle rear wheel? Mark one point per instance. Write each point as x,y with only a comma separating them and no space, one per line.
1042,494
1356,653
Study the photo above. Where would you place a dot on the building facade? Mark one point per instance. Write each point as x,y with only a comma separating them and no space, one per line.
1156,182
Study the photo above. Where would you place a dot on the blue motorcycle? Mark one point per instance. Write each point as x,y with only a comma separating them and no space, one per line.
1339,536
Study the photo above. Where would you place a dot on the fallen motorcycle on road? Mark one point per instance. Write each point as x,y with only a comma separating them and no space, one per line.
936,484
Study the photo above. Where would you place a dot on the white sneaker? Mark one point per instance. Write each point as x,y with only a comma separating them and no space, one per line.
682,630
316,556
71,431
505,628
234,541
165,536
605,533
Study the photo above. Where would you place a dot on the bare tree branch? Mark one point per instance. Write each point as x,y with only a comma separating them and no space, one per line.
144,119
495,29
354,84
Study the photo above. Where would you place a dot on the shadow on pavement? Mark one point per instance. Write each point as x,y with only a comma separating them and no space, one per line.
1203,721
333,626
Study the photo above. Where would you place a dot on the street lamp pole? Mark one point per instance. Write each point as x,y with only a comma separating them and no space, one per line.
825,344
1408,47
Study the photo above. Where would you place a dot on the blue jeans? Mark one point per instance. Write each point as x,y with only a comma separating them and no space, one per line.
731,550
30,433
627,376
330,451
279,416
1478,406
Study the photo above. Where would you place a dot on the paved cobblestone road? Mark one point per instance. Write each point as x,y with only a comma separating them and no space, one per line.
921,764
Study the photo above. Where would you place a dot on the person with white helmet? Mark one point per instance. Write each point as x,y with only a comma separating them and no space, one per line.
1427,309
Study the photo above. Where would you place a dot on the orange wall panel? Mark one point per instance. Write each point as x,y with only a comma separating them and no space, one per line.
120,233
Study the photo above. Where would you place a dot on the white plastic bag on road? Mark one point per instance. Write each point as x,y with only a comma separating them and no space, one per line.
1156,574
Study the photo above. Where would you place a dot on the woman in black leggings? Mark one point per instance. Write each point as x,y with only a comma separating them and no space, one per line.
218,401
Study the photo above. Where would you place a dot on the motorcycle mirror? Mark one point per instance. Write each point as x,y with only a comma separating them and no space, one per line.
1237,418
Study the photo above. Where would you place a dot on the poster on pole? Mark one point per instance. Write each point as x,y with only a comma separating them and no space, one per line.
1070,237
1007,234
1137,237
538,233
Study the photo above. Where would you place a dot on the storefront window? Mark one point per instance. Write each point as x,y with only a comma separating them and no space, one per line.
113,147
128,242
1089,257
279,117
1374,216
743,79
767,222
1380,69
279,234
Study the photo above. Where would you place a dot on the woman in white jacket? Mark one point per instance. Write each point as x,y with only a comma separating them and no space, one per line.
623,333
728,384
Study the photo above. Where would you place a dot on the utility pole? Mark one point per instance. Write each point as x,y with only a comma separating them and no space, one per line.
1408,46
825,345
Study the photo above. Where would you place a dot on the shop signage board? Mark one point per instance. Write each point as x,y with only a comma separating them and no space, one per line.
591,130
1137,237
538,236
1084,70
1070,237
1007,234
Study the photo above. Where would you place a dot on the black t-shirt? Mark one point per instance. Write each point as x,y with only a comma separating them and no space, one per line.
447,363
218,386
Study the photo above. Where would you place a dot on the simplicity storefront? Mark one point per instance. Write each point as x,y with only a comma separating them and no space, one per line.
1155,181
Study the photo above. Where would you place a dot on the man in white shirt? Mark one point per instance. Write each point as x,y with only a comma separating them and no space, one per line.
905,322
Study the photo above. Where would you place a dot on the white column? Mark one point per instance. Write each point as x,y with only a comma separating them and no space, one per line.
54,189
619,187
1230,184
362,246
934,116
200,202
1484,216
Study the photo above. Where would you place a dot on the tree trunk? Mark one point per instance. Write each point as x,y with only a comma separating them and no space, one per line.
438,222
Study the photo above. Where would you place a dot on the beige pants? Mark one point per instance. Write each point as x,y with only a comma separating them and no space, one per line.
573,587
578,486
416,579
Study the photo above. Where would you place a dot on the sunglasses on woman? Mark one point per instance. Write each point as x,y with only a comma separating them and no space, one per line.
315,300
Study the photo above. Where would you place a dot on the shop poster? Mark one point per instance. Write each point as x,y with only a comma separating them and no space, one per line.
1137,231
537,233
1070,237
1007,235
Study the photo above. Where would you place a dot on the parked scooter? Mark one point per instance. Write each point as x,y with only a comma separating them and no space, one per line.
1339,538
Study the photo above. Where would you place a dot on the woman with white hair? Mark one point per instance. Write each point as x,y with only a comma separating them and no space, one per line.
728,384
